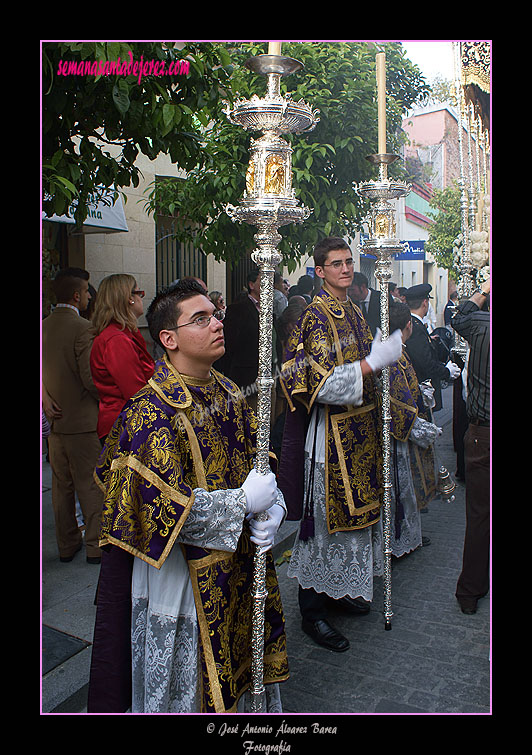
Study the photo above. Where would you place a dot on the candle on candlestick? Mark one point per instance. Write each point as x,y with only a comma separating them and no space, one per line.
274,48
381,100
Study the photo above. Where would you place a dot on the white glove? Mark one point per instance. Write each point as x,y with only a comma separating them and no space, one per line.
263,532
385,352
427,391
454,369
260,490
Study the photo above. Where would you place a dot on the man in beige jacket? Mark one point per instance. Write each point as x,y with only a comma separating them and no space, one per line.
71,403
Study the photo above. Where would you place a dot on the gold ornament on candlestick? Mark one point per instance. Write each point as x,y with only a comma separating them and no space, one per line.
268,203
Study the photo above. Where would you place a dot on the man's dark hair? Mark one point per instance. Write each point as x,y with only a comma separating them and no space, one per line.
164,310
252,275
305,284
326,245
399,315
67,282
359,279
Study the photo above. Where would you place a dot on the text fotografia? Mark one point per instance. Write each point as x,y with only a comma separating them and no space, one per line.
123,67
250,746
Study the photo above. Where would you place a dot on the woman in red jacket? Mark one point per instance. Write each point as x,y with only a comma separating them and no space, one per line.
120,362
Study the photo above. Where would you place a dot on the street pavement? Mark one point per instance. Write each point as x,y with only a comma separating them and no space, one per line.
433,660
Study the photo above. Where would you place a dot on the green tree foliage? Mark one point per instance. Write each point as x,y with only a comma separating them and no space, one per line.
446,226
95,126
339,80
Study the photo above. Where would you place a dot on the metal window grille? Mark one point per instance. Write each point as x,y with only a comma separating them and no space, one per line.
175,259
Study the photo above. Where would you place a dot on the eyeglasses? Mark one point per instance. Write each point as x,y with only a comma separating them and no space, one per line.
338,264
142,294
203,320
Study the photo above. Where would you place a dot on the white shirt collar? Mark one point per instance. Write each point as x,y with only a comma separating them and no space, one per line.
70,306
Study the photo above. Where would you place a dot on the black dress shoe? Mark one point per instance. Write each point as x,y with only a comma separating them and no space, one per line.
68,559
324,634
468,608
355,606
94,560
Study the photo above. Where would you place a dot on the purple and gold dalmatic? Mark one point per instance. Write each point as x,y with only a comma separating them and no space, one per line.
406,403
175,435
332,333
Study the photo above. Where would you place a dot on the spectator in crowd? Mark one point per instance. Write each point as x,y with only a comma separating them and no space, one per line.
70,400
280,302
449,309
422,349
368,300
217,299
120,362
241,330
472,322
393,290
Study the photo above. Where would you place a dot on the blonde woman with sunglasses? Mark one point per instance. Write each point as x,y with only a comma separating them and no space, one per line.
120,362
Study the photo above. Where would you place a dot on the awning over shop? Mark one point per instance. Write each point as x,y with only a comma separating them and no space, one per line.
413,250
102,217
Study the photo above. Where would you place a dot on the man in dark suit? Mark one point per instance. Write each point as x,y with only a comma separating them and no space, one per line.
421,348
449,309
368,300
241,330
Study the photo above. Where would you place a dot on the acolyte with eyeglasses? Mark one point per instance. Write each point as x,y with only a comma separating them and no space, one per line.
339,263
203,320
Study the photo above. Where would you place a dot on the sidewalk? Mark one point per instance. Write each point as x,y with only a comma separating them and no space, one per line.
434,659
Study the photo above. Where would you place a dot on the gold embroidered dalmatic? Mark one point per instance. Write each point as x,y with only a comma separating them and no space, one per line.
333,333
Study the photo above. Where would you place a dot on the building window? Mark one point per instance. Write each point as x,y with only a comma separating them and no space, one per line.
175,259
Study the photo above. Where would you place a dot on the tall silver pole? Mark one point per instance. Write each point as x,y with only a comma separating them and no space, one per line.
382,243
268,204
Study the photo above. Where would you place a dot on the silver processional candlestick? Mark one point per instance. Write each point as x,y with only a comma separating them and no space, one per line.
268,204
382,243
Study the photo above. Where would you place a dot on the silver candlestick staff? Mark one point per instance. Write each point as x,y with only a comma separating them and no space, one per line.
382,243
268,204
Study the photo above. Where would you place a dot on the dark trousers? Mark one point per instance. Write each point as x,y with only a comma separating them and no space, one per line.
473,582
312,604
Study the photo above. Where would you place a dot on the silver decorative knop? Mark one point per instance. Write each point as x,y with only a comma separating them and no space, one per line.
268,203
382,243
